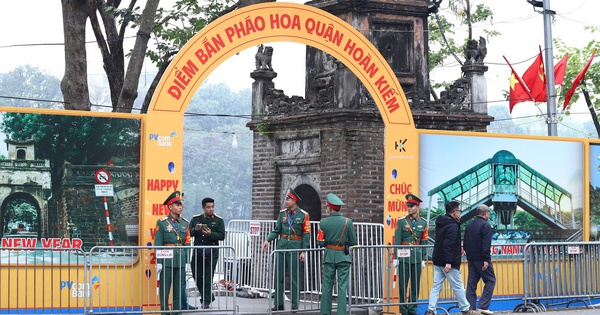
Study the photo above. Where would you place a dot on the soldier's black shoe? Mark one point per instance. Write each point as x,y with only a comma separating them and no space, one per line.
205,306
277,308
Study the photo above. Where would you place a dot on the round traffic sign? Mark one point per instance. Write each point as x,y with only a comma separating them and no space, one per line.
102,176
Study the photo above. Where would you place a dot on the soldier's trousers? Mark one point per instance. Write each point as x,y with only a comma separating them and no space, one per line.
409,273
203,269
171,277
287,263
343,271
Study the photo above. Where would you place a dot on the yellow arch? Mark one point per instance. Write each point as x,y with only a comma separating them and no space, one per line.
251,26
272,22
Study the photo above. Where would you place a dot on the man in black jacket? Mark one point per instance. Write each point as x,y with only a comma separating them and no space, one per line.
477,245
447,258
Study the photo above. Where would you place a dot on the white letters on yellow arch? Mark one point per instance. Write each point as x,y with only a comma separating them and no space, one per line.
252,26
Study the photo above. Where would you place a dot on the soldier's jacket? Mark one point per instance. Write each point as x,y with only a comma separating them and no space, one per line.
175,234
408,233
330,233
299,227
217,229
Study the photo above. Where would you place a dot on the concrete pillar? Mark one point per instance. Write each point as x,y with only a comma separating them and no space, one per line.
263,80
474,73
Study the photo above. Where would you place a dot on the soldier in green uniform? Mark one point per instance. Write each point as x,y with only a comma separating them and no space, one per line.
293,230
172,231
336,234
410,230
208,229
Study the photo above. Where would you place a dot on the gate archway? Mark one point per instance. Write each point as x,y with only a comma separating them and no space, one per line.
259,24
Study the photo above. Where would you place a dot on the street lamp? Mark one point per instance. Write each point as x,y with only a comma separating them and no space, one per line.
536,3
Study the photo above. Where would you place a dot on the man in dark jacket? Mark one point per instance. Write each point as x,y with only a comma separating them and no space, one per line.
446,259
208,229
477,245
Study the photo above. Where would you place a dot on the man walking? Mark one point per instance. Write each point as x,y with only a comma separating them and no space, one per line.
410,231
447,258
477,245
336,234
293,230
172,231
208,230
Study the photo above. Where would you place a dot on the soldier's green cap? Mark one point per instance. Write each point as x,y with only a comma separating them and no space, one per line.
292,194
334,202
410,198
174,197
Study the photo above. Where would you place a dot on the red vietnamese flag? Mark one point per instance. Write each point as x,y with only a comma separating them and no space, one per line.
518,91
577,80
535,79
559,70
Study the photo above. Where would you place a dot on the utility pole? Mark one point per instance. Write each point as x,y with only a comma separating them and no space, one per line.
551,117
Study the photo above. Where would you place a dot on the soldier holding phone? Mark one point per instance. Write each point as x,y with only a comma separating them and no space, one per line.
208,229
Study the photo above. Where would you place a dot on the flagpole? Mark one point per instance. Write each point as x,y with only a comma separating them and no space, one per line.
552,118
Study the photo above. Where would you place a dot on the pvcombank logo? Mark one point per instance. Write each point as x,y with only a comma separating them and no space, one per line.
163,141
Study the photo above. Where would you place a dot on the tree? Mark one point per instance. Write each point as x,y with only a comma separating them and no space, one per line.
527,222
590,85
594,205
28,85
109,23
20,210
75,139
214,168
441,47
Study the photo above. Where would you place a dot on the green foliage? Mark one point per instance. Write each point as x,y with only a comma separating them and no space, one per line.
174,27
75,139
19,210
264,128
28,85
212,166
438,50
463,11
578,57
594,205
527,222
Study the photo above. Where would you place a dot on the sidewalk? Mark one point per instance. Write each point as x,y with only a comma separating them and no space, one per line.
260,306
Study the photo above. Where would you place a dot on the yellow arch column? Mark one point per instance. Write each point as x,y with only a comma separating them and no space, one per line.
251,26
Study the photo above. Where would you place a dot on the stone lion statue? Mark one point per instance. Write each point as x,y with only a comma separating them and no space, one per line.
263,57
475,51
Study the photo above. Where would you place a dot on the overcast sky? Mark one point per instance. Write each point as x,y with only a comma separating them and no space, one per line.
32,34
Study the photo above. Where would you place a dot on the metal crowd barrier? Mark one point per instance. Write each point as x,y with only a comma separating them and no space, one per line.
33,278
112,280
128,283
375,279
560,274
247,237
307,278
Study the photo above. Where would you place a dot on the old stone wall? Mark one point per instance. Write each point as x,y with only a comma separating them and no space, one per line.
76,211
344,156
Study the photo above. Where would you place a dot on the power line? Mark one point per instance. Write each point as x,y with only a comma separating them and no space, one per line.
52,44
